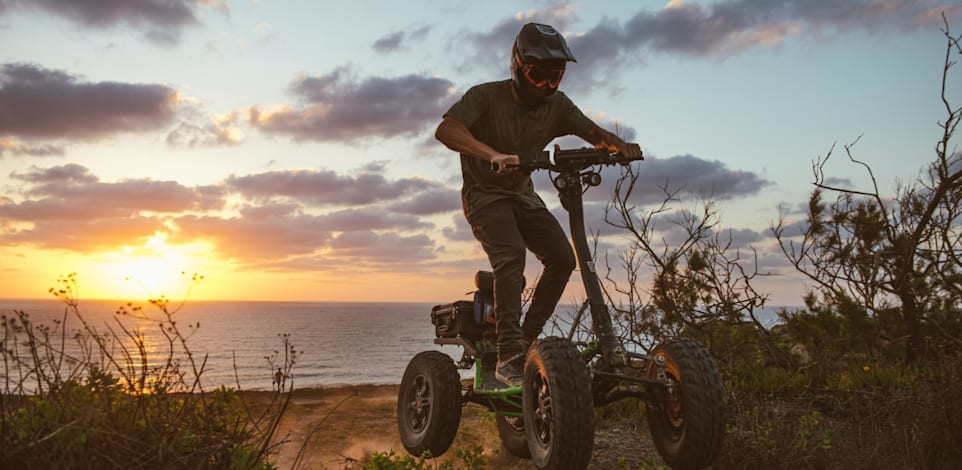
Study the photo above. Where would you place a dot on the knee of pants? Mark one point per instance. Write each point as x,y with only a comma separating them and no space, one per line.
563,262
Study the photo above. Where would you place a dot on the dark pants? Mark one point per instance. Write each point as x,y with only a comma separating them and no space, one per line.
505,230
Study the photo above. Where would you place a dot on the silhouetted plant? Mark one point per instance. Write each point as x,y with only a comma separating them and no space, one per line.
92,398
899,254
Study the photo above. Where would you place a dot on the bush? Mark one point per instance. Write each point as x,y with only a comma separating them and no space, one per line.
838,405
472,459
90,399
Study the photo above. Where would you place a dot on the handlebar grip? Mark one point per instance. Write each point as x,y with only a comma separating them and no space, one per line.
494,166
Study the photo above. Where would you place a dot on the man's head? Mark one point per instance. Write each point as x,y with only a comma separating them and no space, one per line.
538,60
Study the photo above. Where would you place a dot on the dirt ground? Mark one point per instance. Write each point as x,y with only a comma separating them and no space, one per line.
343,426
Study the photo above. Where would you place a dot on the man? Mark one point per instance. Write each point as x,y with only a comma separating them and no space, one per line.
496,126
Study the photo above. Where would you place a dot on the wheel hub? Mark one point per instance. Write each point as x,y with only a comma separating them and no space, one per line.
543,412
419,408
674,405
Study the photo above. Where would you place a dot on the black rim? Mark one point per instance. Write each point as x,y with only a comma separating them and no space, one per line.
542,412
419,403
672,404
675,405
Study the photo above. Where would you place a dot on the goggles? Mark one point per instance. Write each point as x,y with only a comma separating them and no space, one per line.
540,75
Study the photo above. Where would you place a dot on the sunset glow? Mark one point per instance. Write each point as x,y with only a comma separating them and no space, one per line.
155,269
285,153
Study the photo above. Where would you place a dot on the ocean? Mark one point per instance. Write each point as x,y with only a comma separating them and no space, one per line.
336,343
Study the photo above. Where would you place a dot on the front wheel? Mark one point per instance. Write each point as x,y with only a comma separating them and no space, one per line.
558,406
686,418
429,404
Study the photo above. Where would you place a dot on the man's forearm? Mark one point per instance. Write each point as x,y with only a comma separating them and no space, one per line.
456,136
600,137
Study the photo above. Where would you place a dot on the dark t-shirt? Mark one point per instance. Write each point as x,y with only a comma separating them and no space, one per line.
494,118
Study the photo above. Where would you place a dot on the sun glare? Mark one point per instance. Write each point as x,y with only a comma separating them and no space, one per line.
149,271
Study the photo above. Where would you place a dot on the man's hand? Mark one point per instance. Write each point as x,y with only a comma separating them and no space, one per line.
505,163
615,145
612,143
632,151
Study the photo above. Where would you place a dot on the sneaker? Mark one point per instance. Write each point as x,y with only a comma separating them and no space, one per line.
511,371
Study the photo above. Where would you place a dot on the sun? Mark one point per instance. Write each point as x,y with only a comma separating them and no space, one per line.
149,271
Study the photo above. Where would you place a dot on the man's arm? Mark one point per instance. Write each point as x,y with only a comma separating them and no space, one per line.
456,136
603,139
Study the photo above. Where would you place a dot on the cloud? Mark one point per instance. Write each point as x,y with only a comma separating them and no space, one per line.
85,235
492,48
201,135
279,218
792,208
729,27
719,29
732,26
791,228
341,107
366,246
433,201
29,149
40,103
460,232
321,187
372,218
66,207
264,31
259,234
388,43
690,178
687,174
217,130
837,182
198,127
74,185
741,237
277,231
161,21
393,42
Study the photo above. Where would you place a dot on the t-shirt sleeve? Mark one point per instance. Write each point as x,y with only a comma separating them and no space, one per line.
469,108
573,121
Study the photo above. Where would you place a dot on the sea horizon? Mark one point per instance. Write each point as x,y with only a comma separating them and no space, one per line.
339,342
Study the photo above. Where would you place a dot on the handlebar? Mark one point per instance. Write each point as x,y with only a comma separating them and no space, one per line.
573,160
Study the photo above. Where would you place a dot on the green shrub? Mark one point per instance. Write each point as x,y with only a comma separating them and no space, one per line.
471,459
103,407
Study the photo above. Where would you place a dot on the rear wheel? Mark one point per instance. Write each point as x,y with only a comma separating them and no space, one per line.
557,403
429,404
511,430
687,418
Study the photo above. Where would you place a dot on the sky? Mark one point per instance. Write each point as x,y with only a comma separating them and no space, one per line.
284,150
